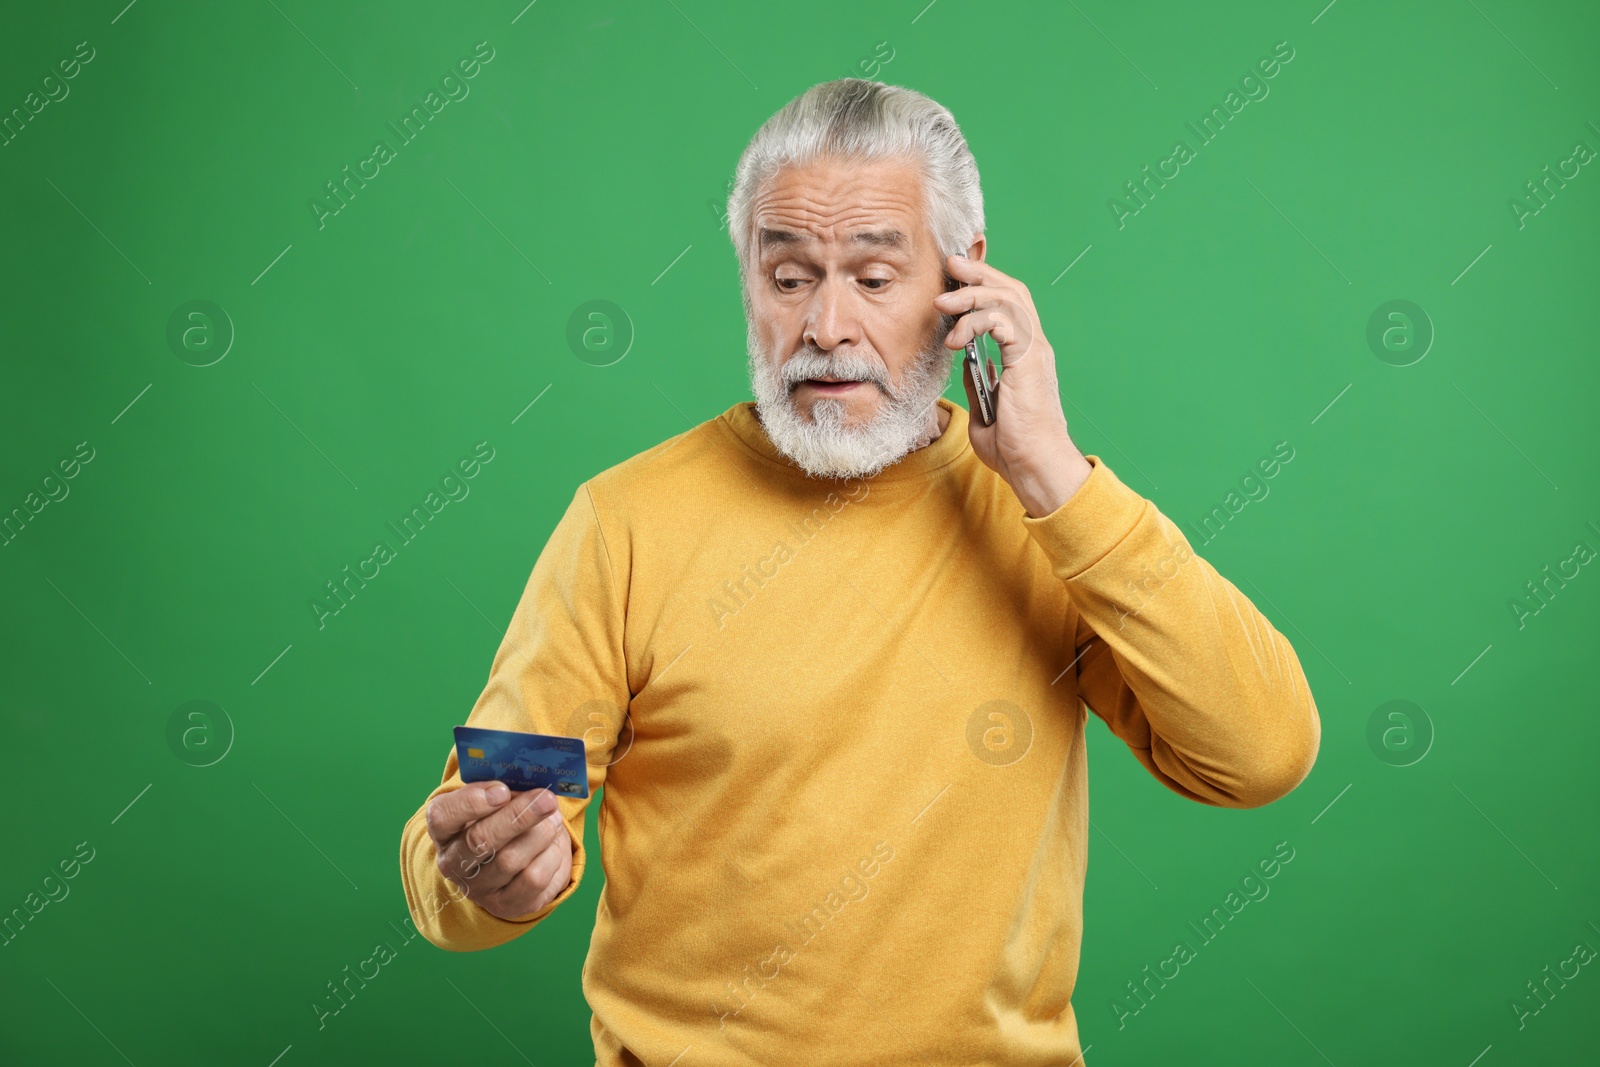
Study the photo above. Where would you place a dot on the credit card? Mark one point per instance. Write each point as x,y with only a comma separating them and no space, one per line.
523,761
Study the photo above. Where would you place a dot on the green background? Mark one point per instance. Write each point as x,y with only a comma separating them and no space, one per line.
589,162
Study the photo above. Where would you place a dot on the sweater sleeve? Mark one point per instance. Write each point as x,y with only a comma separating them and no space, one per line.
1176,660
559,670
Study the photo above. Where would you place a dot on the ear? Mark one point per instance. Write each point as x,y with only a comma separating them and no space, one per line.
975,251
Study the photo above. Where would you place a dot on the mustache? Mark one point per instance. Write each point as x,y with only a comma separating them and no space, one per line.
854,366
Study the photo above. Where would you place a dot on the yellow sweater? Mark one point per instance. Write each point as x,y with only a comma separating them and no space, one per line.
845,819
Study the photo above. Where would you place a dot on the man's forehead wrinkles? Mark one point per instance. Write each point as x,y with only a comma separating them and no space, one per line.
858,211
859,228
805,199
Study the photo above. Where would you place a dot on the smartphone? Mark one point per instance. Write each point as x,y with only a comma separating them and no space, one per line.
976,368
979,377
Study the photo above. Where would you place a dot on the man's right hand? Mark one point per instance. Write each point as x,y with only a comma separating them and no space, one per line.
512,856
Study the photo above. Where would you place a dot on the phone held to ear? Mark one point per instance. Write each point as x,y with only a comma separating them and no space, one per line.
976,369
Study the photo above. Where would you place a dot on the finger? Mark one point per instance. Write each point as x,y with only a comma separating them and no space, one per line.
960,301
1013,333
526,810
459,865
510,858
962,330
492,832
998,322
486,870
531,888
462,856
1011,330
976,271
450,813
543,874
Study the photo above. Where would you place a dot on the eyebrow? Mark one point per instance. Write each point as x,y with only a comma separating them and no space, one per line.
877,238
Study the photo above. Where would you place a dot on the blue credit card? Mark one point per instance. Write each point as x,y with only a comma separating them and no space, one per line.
523,761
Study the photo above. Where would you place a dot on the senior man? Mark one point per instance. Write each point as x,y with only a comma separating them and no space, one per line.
831,652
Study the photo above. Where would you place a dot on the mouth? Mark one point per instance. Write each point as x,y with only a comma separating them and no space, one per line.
832,386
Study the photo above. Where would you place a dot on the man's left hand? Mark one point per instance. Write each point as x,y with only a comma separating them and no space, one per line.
1028,445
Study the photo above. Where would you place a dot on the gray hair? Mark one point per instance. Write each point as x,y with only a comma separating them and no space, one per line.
866,120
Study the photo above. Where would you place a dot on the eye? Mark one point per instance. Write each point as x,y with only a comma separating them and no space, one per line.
789,285
874,284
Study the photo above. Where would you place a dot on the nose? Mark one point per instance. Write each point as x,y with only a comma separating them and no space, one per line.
831,320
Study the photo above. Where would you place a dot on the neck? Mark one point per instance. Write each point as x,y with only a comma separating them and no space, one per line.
938,420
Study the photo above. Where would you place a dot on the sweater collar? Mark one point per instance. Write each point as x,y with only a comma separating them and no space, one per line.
740,421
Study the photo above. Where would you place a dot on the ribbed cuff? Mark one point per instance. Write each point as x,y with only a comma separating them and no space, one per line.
1081,532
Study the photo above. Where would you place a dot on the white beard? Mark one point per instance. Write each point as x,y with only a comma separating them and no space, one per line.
822,445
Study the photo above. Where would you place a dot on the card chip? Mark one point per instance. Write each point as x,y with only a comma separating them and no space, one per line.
475,753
